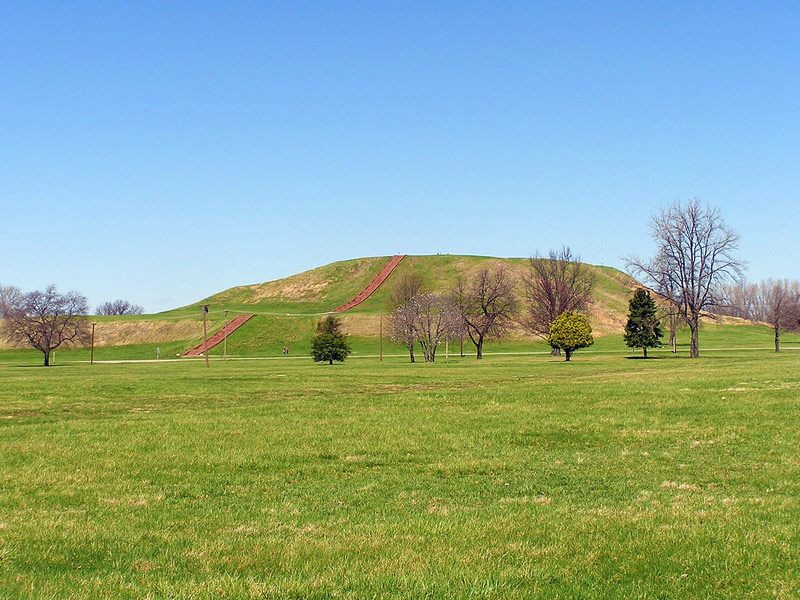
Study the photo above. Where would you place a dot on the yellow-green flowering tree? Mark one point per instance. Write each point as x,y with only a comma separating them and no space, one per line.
570,331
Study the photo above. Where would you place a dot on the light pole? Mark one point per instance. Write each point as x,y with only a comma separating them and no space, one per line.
205,333
225,339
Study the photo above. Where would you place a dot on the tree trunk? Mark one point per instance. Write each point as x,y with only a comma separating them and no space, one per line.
694,327
330,362
555,351
411,352
645,351
568,354
426,354
777,338
479,347
673,326
46,357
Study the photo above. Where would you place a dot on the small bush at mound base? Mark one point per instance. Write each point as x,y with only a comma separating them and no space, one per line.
330,344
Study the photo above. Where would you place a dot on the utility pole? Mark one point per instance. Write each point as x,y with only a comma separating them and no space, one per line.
91,359
225,339
205,333
381,359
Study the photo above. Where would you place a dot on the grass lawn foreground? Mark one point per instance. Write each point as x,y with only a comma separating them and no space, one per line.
514,477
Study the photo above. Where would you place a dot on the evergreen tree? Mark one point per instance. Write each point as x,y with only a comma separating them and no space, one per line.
569,332
330,343
643,329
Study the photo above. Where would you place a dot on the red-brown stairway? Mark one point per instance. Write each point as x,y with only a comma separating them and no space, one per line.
240,320
220,335
374,284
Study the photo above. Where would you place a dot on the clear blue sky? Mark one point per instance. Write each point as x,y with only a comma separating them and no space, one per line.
161,152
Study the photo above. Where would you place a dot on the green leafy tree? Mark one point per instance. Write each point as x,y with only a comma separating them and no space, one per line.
330,344
569,332
643,329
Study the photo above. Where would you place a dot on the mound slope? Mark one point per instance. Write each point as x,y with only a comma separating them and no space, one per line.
329,287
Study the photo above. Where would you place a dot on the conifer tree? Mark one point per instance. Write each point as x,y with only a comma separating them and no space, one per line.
643,329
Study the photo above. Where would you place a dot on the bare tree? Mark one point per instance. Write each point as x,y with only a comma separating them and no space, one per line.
486,304
553,286
119,307
10,299
696,254
740,299
402,323
779,305
435,318
405,289
424,319
47,320
776,303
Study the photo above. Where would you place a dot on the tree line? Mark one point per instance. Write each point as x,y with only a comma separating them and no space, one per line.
695,272
774,302
486,305
47,320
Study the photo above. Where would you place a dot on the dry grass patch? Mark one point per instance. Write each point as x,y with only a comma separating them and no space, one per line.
123,333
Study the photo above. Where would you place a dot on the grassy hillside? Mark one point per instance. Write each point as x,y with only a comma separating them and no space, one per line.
287,310
325,288
315,291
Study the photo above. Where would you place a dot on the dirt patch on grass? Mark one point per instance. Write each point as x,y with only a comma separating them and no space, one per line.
146,332
605,321
120,333
364,325
306,287
309,285
299,291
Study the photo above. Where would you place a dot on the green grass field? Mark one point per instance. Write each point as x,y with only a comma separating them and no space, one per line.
514,477
266,337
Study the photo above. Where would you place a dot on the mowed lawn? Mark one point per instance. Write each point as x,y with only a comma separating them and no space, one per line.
514,477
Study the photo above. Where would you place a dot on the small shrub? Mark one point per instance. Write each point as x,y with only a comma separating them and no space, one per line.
569,332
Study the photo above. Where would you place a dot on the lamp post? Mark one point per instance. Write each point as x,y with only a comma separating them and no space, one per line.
205,333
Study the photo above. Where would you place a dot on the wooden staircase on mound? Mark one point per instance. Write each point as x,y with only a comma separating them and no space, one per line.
374,284
220,335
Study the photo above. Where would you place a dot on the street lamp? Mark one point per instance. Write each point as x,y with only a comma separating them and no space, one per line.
205,332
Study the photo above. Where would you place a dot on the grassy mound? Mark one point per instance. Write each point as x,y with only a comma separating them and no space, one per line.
288,308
